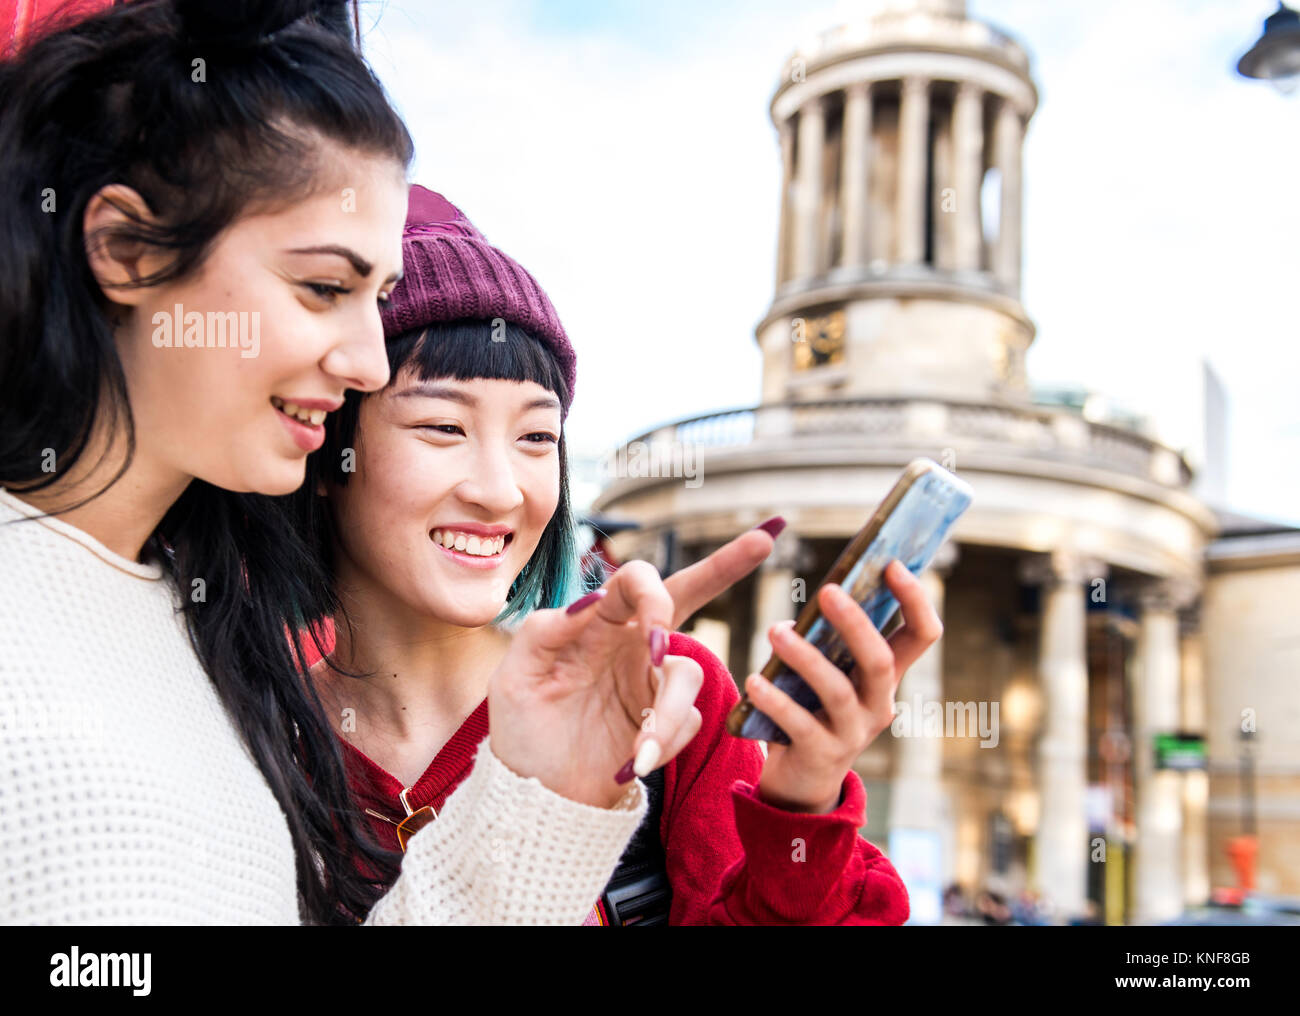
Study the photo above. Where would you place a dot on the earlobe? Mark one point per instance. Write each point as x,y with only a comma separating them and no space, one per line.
117,262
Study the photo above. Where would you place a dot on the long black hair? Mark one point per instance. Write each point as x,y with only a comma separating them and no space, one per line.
117,98
464,349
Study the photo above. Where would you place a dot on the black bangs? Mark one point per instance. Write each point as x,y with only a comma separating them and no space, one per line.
469,349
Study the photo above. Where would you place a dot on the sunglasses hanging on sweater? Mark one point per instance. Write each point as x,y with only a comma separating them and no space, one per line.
414,821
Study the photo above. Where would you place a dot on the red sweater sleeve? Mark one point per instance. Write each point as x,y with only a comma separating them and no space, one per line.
733,859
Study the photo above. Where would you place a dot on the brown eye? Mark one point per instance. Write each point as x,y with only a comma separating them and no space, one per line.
326,291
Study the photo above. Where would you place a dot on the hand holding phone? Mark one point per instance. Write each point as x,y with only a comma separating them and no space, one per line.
808,775
910,524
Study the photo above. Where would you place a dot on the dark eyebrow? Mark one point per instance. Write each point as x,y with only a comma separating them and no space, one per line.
359,264
432,390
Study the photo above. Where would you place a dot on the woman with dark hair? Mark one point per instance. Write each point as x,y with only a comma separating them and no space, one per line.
203,211
440,507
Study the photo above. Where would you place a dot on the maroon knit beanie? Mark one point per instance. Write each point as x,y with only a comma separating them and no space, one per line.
450,272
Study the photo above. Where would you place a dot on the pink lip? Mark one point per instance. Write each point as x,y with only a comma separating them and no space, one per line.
305,436
329,405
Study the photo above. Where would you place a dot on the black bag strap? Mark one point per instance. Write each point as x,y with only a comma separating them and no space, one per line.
639,892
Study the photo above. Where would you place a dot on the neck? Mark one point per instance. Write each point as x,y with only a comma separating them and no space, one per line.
420,674
128,511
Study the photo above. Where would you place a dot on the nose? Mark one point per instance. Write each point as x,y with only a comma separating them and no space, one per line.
358,357
492,483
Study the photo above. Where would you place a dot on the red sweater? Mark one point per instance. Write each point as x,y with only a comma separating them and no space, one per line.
731,859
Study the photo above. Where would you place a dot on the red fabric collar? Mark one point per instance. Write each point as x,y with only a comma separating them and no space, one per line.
377,788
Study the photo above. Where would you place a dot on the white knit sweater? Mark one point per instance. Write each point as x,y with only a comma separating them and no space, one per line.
127,795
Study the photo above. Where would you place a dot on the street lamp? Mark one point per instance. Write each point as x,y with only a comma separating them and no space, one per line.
1275,58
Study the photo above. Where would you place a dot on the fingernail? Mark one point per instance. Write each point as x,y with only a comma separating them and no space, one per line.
626,773
658,646
772,526
585,601
647,757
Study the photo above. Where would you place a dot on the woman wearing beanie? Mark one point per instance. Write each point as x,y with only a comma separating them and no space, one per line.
440,507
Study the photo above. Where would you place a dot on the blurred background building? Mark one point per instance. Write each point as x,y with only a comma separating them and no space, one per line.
1136,639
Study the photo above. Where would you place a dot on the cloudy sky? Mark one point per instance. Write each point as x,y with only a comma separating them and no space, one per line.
621,150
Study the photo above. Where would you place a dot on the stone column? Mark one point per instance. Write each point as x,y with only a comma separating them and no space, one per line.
913,143
1061,842
808,191
968,174
1157,875
774,596
787,182
942,197
853,175
1196,783
918,798
1009,138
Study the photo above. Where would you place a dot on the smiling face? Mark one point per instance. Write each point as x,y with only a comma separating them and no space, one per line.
455,483
231,368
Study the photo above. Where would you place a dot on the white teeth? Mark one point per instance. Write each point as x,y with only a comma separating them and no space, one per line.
317,417
467,543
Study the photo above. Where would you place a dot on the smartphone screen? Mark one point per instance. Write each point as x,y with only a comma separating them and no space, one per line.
910,525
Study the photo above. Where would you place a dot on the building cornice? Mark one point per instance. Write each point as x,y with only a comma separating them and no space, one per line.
894,60
1237,553
841,286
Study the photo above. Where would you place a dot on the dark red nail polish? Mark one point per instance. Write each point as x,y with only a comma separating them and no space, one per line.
772,526
626,773
585,601
658,646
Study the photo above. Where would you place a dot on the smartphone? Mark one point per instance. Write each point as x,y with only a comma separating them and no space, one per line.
910,525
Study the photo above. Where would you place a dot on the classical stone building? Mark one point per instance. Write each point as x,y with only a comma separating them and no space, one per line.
1251,660
1069,590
